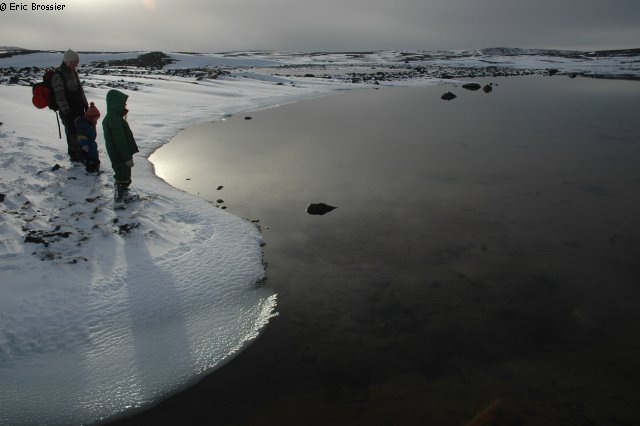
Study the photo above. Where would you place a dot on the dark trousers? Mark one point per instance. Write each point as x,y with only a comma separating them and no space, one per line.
70,131
122,174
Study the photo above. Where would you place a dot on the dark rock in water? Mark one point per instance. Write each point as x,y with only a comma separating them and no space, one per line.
487,88
552,71
2,197
319,208
56,167
448,96
248,118
471,86
220,187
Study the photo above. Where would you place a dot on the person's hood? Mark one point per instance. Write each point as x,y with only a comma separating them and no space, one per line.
116,102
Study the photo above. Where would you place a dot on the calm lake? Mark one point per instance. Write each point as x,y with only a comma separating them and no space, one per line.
484,252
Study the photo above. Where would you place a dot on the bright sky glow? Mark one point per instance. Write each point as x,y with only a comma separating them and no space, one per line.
331,25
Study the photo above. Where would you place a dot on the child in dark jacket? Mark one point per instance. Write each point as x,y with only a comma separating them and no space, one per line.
87,133
120,143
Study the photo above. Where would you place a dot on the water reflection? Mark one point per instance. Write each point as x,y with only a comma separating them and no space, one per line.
483,248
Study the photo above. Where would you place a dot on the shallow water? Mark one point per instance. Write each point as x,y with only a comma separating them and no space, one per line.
483,249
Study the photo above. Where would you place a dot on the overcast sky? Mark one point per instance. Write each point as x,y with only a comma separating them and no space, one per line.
321,25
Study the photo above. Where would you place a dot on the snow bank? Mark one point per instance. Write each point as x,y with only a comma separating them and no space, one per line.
103,311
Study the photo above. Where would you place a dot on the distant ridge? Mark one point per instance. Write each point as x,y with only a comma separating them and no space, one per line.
516,51
9,51
12,48
621,52
160,59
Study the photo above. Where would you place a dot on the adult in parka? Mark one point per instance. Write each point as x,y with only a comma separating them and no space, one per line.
72,102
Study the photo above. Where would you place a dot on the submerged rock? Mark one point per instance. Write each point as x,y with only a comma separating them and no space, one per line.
448,96
471,86
487,88
319,208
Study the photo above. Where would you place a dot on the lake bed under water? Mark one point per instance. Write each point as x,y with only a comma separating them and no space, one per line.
484,250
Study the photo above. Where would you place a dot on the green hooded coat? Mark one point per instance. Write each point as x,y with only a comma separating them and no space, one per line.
118,137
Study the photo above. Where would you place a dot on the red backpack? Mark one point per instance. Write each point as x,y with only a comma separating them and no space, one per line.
43,92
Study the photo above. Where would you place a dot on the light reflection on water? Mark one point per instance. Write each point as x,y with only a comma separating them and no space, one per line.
482,248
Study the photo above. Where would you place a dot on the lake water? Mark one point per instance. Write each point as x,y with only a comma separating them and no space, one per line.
484,250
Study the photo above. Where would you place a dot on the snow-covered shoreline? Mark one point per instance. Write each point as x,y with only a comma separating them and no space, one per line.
105,311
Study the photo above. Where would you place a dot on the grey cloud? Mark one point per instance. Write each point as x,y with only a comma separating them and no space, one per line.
305,25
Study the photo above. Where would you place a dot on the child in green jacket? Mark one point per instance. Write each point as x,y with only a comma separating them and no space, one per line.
119,142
